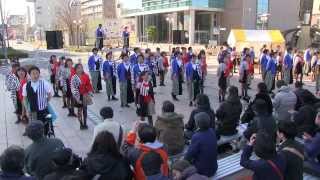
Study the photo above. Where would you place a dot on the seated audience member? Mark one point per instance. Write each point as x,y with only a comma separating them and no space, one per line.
151,165
284,101
65,164
203,105
109,125
169,126
12,164
39,154
105,161
228,114
183,170
298,92
135,151
202,151
270,165
312,150
262,94
306,114
291,149
262,121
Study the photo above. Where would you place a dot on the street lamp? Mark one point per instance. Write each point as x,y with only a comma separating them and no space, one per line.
78,23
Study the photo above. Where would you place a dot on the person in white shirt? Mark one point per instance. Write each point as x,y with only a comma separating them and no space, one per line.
37,94
109,125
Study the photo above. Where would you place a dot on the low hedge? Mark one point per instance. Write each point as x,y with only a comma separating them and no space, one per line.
13,53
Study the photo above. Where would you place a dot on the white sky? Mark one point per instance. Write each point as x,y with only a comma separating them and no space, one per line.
15,6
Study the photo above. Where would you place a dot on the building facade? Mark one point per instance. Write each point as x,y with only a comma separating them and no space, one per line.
315,20
260,14
176,21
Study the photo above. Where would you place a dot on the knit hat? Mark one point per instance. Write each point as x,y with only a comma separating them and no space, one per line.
181,165
202,120
35,130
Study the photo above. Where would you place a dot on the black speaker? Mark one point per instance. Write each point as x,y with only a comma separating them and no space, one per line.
54,39
176,37
179,37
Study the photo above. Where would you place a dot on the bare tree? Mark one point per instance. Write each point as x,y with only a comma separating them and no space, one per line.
65,19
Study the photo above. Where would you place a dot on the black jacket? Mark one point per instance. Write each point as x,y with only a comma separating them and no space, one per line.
249,114
261,122
191,124
294,163
305,119
60,173
107,167
228,116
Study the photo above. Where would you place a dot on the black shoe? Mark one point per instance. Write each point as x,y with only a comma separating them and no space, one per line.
64,106
85,127
56,95
72,115
108,98
190,104
122,105
114,98
174,97
127,106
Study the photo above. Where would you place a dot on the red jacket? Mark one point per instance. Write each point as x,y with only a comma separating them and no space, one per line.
85,86
138,170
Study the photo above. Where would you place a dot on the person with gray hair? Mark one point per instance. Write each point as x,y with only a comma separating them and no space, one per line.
12,164
284,101
203,148
39,153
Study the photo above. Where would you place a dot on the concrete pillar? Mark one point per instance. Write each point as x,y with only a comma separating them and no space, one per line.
175,21
191,26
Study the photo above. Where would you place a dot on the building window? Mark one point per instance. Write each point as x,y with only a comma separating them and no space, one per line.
262,13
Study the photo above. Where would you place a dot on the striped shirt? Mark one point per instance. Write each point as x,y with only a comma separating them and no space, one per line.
43,90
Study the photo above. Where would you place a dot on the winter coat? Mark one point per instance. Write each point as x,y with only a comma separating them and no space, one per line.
249,114
261,122
261,168
170,132
312,150
135,154
157,177
107,167
191,124
284,101
228,116
191,174
11,176
39,156
304,119
294,169
202,152
60,173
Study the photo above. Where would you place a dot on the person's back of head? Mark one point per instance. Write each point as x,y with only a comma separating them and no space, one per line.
35,130
298,85
308,98
264,147
280,83
151,163
104,143
233,91
167,107
62,157
147,133
202,121
203,101
106,113
12,160
260,107
288,129
262,88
